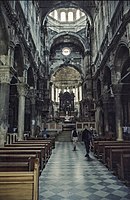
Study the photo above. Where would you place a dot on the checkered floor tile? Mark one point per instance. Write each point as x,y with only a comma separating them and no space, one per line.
70,176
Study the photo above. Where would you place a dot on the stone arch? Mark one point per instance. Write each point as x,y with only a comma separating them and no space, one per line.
18,60
70,65
4,36
62,34
121,56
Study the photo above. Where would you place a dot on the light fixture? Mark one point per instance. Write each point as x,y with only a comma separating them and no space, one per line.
66,51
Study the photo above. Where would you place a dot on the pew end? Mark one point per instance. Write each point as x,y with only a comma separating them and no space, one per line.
20,185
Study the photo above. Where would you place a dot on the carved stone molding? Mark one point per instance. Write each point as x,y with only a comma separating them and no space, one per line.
22,89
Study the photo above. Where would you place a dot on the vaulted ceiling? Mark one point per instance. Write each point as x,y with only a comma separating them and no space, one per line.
85,5
69,71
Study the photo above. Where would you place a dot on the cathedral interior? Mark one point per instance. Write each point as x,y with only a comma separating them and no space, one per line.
64,64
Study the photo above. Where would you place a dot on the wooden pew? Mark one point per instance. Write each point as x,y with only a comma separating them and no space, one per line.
39,142
51,140
124,168
32,146
17,157
102,144
39,151
115,157
17,162
15,166
48,142
107,151
20,185
48,148
15,151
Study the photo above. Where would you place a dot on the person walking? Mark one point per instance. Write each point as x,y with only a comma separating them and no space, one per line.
86,138
74,138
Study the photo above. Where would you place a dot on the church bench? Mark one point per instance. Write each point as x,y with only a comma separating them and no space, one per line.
20,185
20,159
51,140
17,157
98,146
115,157
15,166
101,145
39,151
107,151
15,151
46,145
36,142
124,167
47,141
33,146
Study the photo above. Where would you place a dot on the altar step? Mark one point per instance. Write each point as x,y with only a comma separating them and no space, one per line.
64,136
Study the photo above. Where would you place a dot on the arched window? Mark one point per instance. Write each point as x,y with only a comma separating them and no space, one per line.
63,16
55,14
70,16
78,14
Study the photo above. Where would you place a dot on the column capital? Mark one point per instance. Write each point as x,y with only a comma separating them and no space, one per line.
22,89
5,74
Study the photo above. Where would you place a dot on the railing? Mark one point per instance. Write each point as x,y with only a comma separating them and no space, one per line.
11,138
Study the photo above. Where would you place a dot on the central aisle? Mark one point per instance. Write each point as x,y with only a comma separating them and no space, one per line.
70,176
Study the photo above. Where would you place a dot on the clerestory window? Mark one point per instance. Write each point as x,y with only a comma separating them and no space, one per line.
70,16
63,16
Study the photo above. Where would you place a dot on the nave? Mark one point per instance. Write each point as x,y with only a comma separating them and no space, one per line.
69,175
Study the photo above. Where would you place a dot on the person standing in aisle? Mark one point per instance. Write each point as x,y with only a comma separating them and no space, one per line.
74,138
87,139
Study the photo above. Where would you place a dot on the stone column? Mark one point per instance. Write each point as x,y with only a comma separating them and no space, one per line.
52,93
80,93
76,94
86,62
4,102
33,120
22,91
117,91
105,108
128,35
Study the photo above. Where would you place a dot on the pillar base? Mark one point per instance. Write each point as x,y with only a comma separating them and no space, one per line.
2,140
119,139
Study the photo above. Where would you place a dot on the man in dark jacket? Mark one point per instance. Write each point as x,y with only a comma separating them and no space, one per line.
86,138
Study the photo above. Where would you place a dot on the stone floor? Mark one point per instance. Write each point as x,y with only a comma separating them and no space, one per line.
70,176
